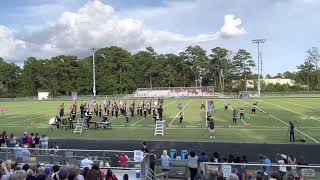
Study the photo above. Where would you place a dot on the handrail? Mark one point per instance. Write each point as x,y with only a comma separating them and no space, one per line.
273,164
76,150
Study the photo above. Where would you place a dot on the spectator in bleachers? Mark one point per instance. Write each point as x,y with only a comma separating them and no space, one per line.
24,139
244,159
230,159
267,165
37,140
193,164
86,162
55,170
44,142
79,175
232,177
63,174
3,139
5,173
123,160
203,158
40,173
18,175
84,172
31,175
275,175
282,168
165,164
125,177
25,154
13,140
215,158
110,175
144,147
292,161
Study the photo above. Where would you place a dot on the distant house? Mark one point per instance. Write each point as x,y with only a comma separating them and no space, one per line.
280,81
237,83
43,95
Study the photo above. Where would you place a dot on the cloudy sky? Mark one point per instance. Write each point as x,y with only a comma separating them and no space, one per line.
45,28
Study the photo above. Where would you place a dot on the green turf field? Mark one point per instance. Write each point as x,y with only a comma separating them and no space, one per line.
269,125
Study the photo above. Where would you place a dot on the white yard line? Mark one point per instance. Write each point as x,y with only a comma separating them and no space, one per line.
144,118
300,105
287,124
179,112
305,116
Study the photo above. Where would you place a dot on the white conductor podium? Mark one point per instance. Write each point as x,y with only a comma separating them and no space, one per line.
159,130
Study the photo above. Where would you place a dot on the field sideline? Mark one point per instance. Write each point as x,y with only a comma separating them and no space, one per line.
269,125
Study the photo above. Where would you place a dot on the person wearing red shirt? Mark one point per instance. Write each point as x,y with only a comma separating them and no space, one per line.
124,159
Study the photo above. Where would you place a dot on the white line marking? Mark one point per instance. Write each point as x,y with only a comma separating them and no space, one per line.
179,112
288,124
299,105
305,116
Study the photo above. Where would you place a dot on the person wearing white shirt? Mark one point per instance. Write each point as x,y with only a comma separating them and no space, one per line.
86,162
282,167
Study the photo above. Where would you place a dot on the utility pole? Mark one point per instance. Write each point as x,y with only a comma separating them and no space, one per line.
258,42
93,50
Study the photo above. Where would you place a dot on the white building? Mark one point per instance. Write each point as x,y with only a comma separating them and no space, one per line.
43,95
280,81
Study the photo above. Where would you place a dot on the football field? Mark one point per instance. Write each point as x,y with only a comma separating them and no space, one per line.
268,125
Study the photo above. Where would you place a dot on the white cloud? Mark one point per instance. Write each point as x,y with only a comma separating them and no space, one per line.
231,27
96,25
9,45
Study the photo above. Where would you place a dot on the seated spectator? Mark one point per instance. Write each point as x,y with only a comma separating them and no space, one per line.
275,175
31,175
290,177
63,174
259,177
25,167
92,174
110,175
125,177
220,177
86,162
19,175
5,174
249,175
79,175
84,172
123,160
43,174
55,170
232,177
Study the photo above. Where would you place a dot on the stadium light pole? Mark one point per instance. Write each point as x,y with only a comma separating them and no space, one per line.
93,50
258,42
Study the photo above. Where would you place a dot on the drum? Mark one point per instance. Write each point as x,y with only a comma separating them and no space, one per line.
51,121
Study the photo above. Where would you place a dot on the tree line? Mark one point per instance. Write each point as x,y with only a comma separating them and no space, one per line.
118,71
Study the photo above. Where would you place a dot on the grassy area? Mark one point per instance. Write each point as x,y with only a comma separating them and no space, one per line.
269,125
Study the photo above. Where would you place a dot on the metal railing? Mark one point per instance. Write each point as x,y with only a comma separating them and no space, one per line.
106,159
266,171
